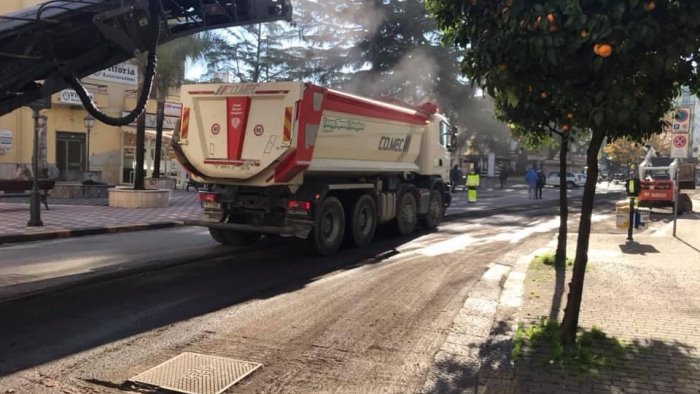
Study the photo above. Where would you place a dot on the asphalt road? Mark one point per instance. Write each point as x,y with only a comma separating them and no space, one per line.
364,320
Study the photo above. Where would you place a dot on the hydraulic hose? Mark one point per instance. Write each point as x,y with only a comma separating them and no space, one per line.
149,76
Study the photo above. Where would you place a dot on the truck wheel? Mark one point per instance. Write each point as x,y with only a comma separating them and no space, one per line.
570,185
218,235
406,214
364,220
329,227
234,238
435,210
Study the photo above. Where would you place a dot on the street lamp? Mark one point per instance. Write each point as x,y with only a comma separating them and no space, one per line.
89,123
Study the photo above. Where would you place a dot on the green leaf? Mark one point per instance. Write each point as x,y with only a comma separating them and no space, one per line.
512,98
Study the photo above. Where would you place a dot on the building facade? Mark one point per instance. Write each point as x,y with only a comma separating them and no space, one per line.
71,152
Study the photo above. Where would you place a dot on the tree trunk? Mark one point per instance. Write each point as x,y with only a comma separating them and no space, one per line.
573,304
560,255
160,114
139,175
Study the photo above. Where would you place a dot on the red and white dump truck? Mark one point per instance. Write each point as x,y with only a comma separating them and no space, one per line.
296,159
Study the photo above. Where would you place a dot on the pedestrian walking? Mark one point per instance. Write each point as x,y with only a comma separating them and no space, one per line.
472,185
531,180
456,176
503,176
541,181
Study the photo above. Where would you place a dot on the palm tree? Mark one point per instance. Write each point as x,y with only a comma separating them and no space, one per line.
171,74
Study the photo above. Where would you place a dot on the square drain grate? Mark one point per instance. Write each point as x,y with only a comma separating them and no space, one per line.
194,373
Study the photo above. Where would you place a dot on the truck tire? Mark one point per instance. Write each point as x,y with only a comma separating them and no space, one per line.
571,185
363,223
329,227
406,213
436,210
234,238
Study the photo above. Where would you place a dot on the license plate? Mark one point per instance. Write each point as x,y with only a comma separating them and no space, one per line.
211,205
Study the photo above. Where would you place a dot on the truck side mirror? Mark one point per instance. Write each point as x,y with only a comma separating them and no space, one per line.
452,144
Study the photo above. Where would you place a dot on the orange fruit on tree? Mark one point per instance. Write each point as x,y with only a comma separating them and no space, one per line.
596,48
550,17
570,115
509,3
565,127
605,50
584,33
543,95
649,6
553,28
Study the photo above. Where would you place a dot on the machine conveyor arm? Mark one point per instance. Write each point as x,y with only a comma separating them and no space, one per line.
42,46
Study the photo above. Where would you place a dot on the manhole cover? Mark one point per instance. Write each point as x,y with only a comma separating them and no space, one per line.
194,373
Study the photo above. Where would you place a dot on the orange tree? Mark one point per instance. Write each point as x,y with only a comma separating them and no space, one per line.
529,128
609,66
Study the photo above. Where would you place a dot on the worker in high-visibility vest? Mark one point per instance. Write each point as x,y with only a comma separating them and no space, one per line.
472,184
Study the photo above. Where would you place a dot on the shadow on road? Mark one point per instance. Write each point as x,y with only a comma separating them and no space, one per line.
559,287
633,247
51,326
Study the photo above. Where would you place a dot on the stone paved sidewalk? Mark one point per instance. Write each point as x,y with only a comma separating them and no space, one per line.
644,293
65,214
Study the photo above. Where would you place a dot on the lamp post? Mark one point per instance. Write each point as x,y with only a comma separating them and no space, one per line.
34,202
89,124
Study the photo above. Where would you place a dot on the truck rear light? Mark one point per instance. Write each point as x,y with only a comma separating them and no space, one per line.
207,196
294,205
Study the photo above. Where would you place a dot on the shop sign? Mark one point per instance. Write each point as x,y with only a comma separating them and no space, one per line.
169,122
70,96
122,73
173,109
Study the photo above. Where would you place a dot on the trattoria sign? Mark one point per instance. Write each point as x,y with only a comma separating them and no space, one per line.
122,73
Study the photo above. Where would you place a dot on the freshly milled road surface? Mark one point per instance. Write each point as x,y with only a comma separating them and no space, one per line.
363,320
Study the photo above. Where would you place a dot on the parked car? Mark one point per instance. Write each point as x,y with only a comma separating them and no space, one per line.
572,180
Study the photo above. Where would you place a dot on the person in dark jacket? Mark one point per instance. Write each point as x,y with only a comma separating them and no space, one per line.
541,181
456,176
503,175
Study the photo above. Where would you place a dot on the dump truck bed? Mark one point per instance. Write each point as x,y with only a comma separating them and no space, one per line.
277,133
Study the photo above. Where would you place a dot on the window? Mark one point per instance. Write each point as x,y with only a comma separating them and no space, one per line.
444,132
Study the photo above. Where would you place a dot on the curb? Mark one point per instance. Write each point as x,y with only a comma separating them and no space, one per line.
82,232
457,364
